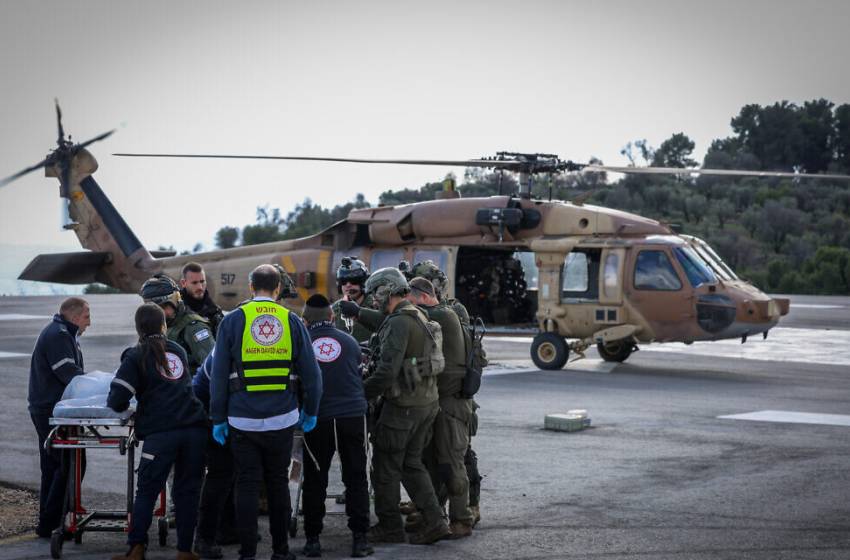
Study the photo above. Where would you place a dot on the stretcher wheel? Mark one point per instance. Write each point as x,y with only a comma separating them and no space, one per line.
293,526
162,526
56,540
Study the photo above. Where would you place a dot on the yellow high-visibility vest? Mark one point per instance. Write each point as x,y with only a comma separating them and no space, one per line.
266,347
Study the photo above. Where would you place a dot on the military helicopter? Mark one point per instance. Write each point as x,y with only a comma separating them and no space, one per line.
578,274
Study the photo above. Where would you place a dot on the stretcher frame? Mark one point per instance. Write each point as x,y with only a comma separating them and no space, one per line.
77,435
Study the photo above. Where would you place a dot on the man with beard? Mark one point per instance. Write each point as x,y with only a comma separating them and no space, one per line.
185,327
193,290
355,313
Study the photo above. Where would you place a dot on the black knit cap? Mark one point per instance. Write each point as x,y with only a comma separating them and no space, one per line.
318,301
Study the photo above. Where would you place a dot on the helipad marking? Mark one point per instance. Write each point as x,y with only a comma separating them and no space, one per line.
12,355
792,417
20,317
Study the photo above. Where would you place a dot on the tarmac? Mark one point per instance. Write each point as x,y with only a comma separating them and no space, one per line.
714,450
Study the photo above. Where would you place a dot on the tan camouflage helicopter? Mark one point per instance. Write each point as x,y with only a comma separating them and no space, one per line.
578,274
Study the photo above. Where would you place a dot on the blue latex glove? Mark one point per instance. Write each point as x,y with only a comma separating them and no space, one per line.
306,422
220,433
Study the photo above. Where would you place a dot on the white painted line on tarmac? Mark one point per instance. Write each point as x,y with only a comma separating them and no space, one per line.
12,355
20,317
792,417
816,306
520,366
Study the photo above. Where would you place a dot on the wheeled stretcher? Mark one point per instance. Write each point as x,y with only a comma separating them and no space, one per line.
77,435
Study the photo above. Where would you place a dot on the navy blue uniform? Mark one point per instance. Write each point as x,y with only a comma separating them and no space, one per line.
216,512
261,427
341,428
172,422
56,359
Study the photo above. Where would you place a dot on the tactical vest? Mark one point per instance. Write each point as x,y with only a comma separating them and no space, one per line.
266,356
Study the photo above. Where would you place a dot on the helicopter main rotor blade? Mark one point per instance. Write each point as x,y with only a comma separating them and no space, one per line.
691,171
95,139
10,178
455,163
61,130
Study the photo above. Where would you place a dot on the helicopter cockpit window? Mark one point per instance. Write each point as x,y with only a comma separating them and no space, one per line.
580,277
720,267
695,268
382,258
653,271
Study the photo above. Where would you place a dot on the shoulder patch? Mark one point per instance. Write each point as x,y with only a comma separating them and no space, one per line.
175,367
202,334
327,349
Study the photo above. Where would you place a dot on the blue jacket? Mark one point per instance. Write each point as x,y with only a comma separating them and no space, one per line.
56,359
242,404
201,381
339,357
165,399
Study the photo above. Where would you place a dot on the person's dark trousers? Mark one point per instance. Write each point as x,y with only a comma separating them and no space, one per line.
348,437
182,448
258,457
218,484
54,477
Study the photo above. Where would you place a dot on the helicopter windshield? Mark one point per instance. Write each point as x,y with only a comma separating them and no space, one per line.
708,254
697,270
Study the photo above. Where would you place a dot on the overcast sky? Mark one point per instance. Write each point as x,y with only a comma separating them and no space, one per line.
374,79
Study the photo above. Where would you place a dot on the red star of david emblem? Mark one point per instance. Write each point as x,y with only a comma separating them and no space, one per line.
326,349
172,364
266,329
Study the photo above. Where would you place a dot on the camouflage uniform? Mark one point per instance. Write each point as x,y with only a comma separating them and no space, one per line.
192,332
404,424
444,456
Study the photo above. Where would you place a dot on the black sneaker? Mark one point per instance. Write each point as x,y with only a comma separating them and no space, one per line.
360,546
312,548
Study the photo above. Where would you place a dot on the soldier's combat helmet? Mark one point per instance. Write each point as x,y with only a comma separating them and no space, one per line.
352,270
430,271
287,286
160,289
386,282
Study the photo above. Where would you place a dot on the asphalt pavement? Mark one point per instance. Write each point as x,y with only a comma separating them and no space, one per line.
663,473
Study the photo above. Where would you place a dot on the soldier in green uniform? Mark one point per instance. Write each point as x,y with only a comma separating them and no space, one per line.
403,375
444,455
186,328
355,313
430,271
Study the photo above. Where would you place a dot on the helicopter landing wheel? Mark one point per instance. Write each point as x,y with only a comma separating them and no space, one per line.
549,351
616,351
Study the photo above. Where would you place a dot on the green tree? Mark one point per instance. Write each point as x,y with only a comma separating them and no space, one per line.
267,229
675,152
226,237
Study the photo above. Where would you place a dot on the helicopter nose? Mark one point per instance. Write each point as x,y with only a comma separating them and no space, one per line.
767,310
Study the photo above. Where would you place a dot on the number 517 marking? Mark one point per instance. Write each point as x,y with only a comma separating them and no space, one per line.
227,278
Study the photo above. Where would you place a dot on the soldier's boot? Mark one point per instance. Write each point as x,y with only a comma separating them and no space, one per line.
378,533
414,523
312,548
360,546
406,508
476,515
136,552
207,549
437,531
188,556
459,530
283,556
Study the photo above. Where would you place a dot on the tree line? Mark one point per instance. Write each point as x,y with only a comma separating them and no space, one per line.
788,236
